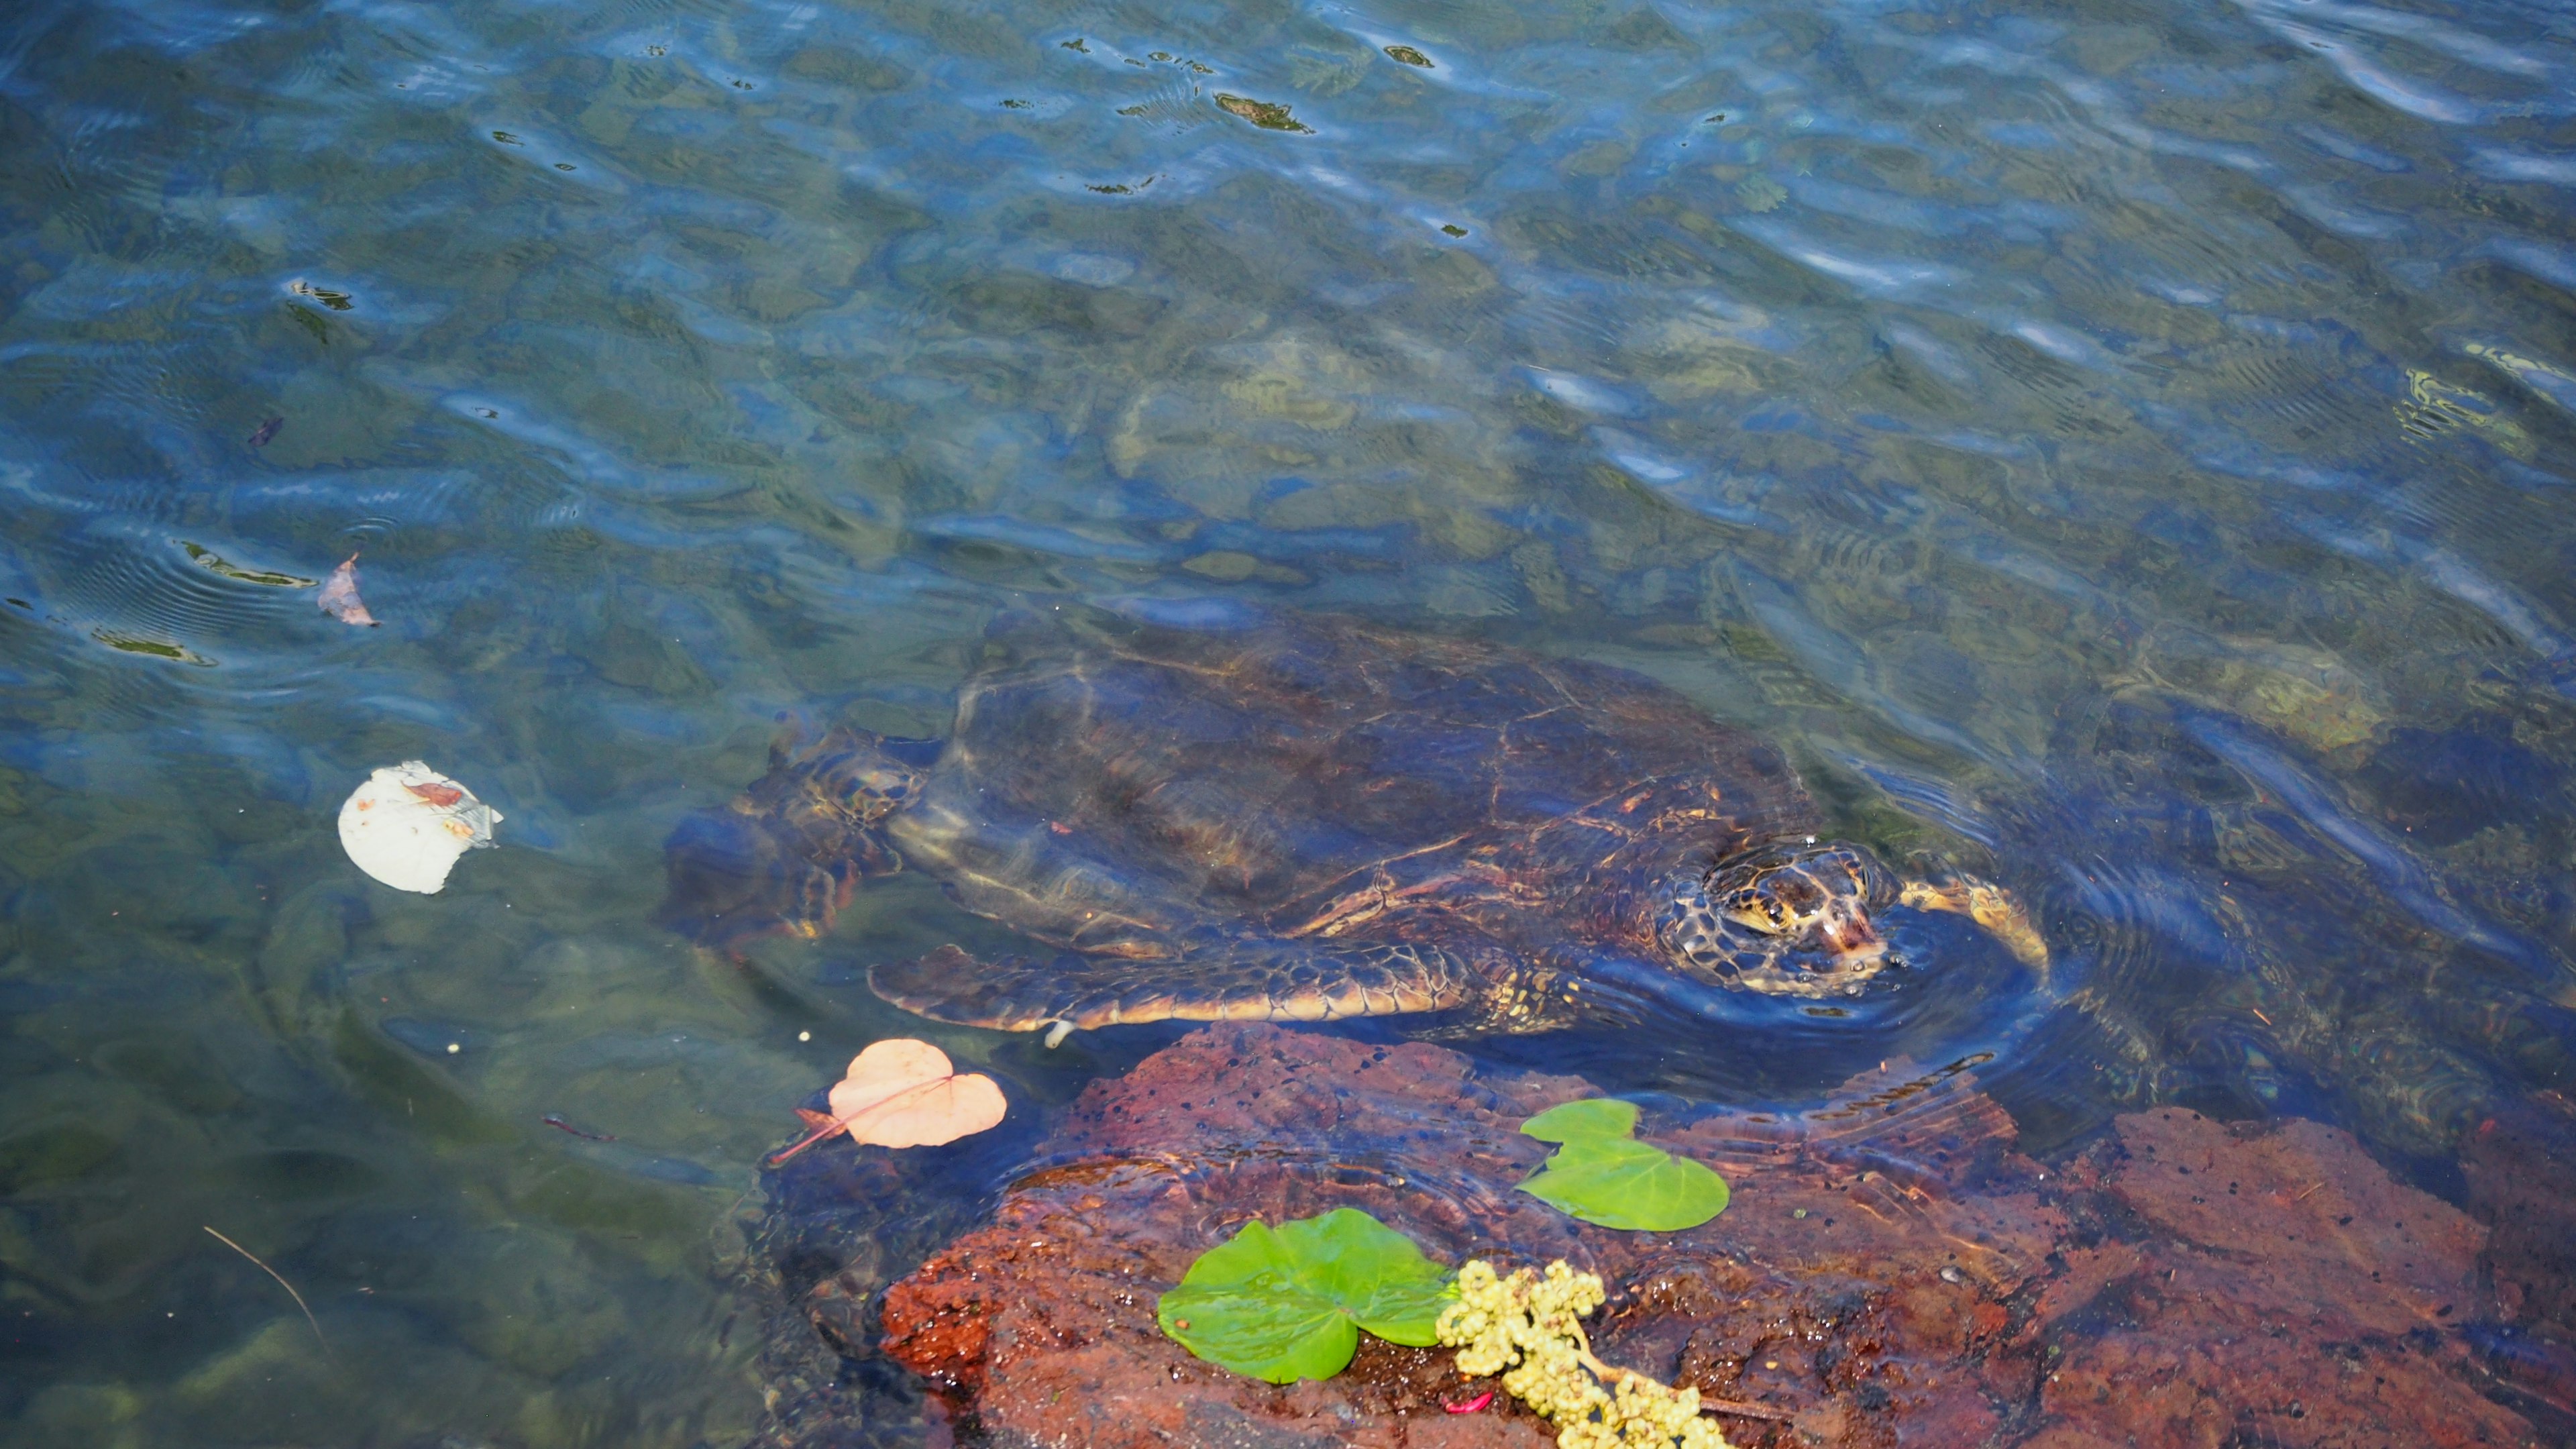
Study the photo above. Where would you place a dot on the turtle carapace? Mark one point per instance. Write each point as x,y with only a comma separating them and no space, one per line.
1310,818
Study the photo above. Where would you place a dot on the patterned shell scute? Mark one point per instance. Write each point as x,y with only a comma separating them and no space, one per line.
1117,794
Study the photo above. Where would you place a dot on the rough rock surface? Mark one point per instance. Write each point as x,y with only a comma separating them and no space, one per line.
1815,1296
2283,1291
2521,1167
2521,1171
1892,1271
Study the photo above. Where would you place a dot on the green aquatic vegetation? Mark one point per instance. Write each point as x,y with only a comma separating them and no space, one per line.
311,321
212,562
157,648
1289,1302
1529,1328
1602,1174
1268,115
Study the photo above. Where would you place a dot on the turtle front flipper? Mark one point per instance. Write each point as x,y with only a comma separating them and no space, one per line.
1991,907
785,855
1290,981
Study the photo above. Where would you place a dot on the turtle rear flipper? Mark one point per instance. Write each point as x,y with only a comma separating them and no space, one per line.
1269,982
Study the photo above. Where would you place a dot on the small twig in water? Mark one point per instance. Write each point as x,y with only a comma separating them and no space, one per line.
281,1282
560,1125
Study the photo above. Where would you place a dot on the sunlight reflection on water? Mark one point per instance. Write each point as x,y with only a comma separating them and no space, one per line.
2118,453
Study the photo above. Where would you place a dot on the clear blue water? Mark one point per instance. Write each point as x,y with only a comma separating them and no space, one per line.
2119,450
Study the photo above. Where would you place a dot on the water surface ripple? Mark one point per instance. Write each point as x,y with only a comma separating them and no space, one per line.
2120,450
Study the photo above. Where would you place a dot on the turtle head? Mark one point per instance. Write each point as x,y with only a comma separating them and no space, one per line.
1785,920
785,855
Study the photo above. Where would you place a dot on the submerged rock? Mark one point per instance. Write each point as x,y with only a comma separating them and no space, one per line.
1893,1270
2284,1290
2521,1167
2521,1171
1852,1289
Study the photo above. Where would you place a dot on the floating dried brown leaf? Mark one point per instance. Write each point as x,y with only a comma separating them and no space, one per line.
904,1093
339,596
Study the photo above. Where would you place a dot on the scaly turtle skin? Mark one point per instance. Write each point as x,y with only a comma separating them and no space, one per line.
1306,819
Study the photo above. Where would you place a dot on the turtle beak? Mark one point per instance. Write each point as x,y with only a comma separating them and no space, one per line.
1847,933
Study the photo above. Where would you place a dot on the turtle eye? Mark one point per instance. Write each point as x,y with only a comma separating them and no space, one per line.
1758,910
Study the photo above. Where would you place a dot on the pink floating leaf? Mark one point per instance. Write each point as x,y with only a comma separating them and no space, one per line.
339,596
904,1093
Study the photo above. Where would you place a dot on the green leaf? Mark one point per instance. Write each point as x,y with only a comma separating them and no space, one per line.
1288,1303
1602,1175
1591,1117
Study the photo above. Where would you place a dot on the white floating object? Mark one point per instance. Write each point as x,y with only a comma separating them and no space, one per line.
408,824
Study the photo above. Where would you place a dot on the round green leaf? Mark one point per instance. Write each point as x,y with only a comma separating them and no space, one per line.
1601,1174
1591,1117
1288,1303
1623,1183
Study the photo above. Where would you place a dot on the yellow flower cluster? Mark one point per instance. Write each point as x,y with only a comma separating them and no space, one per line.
1529,1328
1499,1321
1647,1415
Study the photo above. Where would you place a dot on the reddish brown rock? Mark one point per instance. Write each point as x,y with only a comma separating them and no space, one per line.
2521,1166
2302,1207
2521,1169
1856,1292
2286,1292
1893,1272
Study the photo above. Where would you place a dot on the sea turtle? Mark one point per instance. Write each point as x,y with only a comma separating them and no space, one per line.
1305,818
